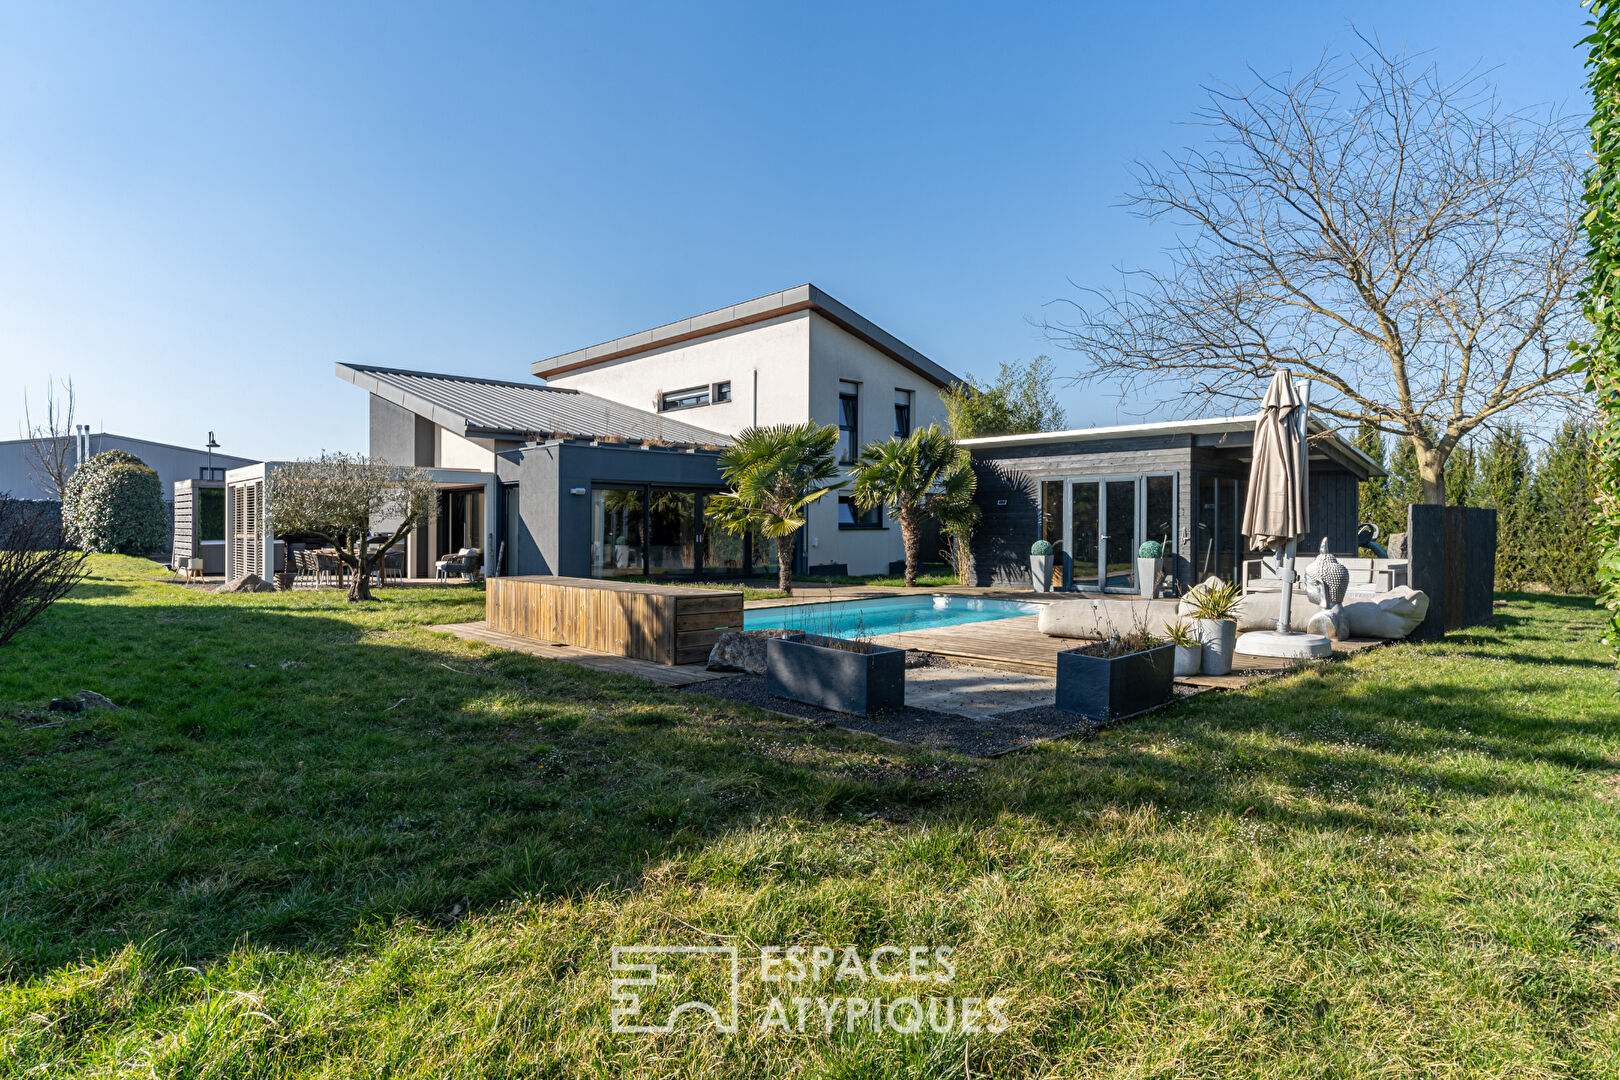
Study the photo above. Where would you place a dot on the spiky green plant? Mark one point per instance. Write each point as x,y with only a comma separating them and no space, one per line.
924,475
774,474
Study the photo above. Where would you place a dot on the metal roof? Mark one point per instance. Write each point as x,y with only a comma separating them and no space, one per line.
1341,447
786,302
490,408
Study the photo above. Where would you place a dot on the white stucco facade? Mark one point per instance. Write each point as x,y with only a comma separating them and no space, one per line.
785,368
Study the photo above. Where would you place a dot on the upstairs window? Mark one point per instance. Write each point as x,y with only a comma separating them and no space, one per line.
851,516
205,473
849,424
685,399
902,413
722,392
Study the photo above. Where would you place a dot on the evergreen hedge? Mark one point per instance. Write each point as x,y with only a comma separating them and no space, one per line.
1600,355
114,505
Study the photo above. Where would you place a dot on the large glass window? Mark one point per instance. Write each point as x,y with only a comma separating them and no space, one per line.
1160,521
724,552
1052,525
1086,498
672,533
1119,542
1216,550
849,425
617,523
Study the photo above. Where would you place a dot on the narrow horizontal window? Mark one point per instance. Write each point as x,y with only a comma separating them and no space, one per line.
683,399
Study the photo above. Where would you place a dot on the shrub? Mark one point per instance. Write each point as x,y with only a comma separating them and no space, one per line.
1040,547
1150,549
114,505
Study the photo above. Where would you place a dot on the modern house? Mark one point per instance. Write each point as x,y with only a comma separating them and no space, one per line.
171,463
1097,493
604,469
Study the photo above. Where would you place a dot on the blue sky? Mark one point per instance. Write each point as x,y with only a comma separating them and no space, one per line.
202,207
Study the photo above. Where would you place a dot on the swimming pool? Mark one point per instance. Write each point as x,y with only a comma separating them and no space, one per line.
889,615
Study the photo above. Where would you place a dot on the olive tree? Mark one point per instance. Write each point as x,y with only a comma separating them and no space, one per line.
340,498
1401,241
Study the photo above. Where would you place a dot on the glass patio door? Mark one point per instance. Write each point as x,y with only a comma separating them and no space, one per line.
1102,533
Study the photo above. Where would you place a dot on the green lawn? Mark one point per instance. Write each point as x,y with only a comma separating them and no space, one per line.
320,840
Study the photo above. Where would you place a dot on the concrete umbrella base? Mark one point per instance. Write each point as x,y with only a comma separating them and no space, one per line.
1271,643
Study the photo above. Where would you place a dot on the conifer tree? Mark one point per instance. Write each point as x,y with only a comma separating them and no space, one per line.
1566,553
1504,485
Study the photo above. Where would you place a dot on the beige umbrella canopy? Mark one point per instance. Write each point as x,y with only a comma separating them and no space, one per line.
1277,510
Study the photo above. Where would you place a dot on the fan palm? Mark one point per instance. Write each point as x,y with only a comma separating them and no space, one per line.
775,473
924,475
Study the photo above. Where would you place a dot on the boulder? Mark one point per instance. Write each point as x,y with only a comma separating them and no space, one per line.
742,650
93,700
251,583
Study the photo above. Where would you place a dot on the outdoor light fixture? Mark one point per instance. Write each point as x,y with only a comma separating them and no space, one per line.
576,491
212,446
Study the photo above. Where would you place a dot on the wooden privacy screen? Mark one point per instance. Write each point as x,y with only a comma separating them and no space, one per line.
664,623
1452,553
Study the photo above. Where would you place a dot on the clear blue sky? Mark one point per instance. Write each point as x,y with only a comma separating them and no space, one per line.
203,206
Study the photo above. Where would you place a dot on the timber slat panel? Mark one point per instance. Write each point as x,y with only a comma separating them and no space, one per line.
661,623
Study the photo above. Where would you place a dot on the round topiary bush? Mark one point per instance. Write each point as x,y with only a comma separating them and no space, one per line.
114,504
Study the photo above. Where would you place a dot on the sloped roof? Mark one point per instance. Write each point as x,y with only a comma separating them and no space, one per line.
490,408
786,302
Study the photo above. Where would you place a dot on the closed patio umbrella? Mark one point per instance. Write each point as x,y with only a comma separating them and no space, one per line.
1277,511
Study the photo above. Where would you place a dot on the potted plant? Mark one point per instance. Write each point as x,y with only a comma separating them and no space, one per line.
1116,677
836,673
1189,650
1040,565
1147,567
1215,608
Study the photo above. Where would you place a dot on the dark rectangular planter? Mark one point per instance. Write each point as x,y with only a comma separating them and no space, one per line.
1109,689
804,667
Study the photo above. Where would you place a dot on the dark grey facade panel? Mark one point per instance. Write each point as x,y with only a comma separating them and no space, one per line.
553,534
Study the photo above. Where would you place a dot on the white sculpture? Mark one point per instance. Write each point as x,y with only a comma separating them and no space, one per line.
1326,581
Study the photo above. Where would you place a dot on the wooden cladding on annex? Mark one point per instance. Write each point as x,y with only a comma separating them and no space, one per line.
663,623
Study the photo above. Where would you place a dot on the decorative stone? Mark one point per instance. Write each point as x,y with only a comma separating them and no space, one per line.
250,583
742,650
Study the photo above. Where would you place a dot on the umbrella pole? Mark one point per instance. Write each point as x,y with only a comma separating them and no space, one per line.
1285,558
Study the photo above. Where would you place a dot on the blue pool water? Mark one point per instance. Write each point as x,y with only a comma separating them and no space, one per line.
891,615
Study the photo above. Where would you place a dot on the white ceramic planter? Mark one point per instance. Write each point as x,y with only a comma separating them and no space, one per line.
1189,660
1147,577
1040,572
1220,639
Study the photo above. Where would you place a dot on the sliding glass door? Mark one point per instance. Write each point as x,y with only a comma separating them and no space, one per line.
1106,520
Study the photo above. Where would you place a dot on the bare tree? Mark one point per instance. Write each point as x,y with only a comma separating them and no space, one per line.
50,450
36,570
340,497
1404,242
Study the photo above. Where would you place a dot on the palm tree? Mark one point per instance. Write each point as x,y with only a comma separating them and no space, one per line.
775,473
924,475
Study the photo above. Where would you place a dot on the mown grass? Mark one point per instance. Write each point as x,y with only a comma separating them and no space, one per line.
320,840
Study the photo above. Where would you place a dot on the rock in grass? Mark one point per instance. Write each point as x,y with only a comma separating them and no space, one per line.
89,699
250,583
742,650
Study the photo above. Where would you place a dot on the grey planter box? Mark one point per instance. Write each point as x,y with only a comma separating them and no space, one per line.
807,668
1105,689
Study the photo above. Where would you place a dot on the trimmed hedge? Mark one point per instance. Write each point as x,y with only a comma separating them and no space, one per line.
114,505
